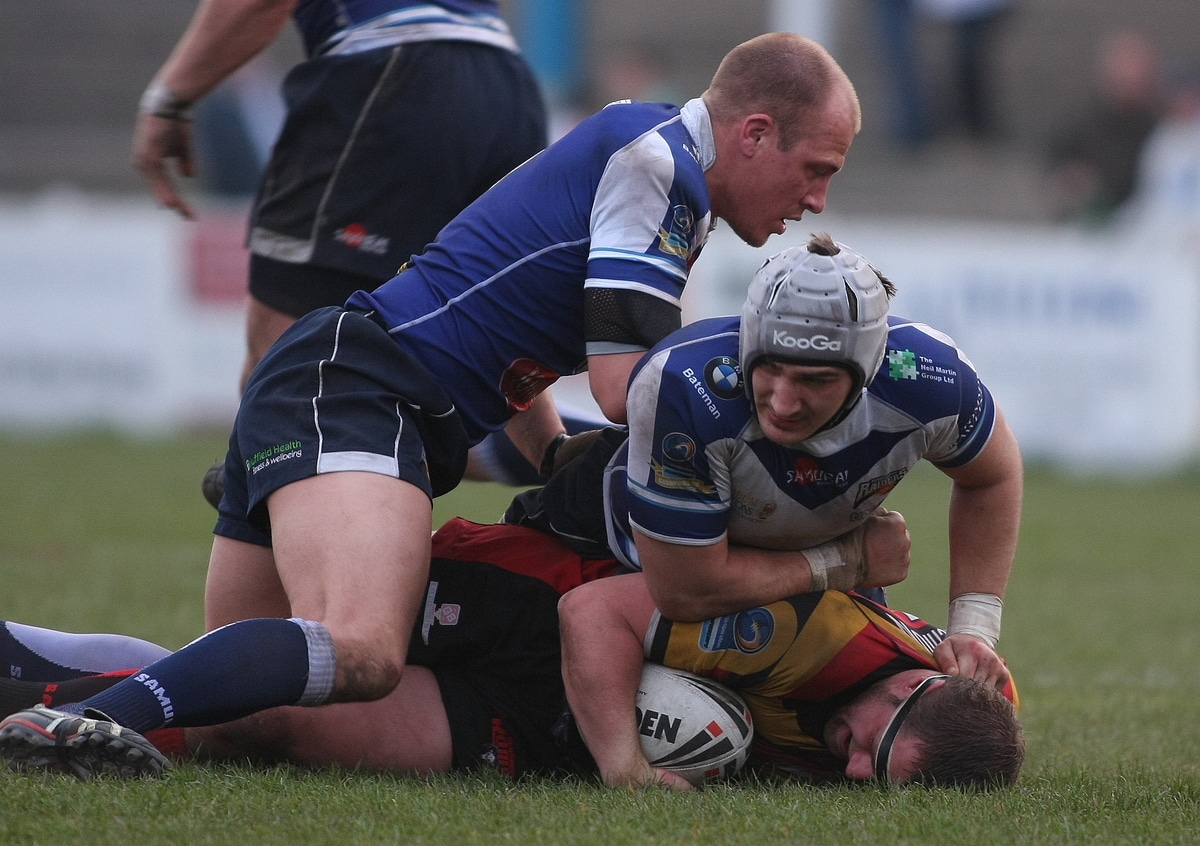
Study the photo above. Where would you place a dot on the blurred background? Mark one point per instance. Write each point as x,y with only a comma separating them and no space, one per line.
1028,173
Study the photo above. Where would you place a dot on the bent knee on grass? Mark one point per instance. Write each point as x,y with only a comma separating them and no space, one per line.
364,676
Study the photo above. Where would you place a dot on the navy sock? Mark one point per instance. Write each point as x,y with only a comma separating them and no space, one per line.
230,672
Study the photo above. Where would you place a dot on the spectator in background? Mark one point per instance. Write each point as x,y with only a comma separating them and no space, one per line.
1094,159
1167,193
894,29
633,73
630,72
975,26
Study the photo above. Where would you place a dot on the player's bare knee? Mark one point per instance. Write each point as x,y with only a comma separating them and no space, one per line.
367,674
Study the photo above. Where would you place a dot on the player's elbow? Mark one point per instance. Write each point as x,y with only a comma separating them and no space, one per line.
575,609
612,405
608,378
566,609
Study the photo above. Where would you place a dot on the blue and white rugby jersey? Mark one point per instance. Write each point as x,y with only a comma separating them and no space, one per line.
496,306
693,433
343,27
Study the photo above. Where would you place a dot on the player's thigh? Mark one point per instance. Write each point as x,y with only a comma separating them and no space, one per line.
352,551
241,584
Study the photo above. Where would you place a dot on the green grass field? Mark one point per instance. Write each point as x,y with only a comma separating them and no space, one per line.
1102,631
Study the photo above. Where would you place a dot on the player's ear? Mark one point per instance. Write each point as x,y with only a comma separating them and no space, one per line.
911,681
756,130
903,684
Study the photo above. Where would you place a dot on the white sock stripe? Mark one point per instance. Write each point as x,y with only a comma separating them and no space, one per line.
322,662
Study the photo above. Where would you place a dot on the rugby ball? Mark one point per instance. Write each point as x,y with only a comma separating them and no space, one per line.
692,725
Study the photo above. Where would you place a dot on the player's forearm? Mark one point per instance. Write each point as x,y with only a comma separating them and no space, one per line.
694,583
602,664
532,431
691,583
983,539
985,518
222,36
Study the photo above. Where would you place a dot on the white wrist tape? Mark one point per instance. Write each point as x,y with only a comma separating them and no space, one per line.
829,571
161,101
976,614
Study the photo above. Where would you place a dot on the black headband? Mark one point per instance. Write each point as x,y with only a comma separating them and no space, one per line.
883,755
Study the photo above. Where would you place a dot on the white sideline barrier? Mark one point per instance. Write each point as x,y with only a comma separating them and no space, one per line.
101,323
111,314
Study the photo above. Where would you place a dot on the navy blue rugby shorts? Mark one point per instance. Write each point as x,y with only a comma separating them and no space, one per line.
335,393
379,151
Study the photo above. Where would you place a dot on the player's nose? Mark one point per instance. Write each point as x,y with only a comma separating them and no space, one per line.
788,402
814,200
860,767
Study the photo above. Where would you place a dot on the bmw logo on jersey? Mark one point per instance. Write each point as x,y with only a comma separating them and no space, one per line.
723,376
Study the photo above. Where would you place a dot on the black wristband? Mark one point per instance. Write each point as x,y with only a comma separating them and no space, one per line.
550,454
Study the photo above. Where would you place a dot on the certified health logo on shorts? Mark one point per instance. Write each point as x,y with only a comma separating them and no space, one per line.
274,455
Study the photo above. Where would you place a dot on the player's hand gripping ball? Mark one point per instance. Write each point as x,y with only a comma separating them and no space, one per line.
692,725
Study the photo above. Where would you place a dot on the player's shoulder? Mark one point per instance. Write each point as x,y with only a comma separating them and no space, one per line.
923,636
688,350
693,380
633,134
919,360
634,116
913,334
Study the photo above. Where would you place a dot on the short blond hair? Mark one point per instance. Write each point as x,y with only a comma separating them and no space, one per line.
782,74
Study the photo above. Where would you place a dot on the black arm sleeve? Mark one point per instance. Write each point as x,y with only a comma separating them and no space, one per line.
627,318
